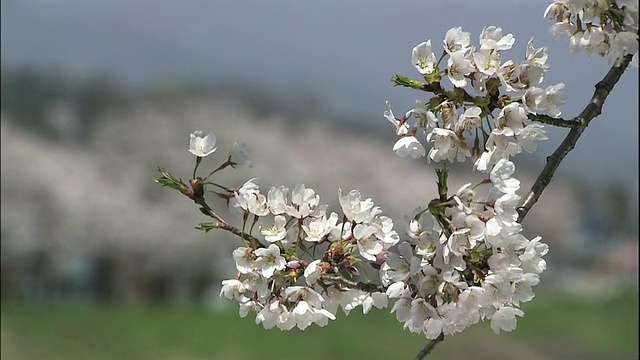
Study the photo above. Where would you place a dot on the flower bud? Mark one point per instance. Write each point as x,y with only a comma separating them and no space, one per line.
197,187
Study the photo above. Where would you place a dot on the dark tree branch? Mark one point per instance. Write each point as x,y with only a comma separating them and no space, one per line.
430,345
591,111
546,119
367,287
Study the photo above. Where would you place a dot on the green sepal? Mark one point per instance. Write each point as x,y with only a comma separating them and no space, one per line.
207,226
169,180
404,81
433,77
492,85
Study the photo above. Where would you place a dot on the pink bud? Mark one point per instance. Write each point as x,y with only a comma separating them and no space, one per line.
382,256
273,307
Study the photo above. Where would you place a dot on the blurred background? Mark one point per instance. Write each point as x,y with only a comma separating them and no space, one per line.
99,262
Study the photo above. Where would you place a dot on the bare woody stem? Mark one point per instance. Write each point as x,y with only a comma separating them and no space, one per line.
222,224
546,119
591,111
368,287
430,345
577,125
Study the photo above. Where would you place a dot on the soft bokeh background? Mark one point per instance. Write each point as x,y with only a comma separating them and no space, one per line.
98,262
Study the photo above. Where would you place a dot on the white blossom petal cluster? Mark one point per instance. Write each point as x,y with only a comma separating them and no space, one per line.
602,27
452,122
459,265
467,264
464,258
279,281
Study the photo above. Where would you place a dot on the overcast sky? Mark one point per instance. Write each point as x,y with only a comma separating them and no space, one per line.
344,52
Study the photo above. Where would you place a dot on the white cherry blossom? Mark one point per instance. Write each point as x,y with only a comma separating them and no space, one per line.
244,258
501,177
275,232
317,228
456,40
269,260
409,146
447,146
530,135
238,156
202,146
423,59
457,67
555,99
304,202
469,120
491,39
426,118
505,319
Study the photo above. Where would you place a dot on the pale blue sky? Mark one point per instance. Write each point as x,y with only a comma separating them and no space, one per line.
343,51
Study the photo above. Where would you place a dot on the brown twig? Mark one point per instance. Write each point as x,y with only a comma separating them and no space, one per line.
222,224
367,287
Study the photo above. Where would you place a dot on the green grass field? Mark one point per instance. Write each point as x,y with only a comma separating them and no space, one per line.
554,328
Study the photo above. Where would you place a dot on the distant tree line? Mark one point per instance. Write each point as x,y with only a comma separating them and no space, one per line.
27,93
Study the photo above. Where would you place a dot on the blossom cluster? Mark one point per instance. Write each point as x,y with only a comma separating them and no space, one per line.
465,258
603,27
452,118
466,263
462,257
470,264
281,280
279,276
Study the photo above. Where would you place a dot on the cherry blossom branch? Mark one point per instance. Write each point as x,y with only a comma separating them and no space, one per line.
591,111
222,224
195,192
430,345
558,122
368,287
464,228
